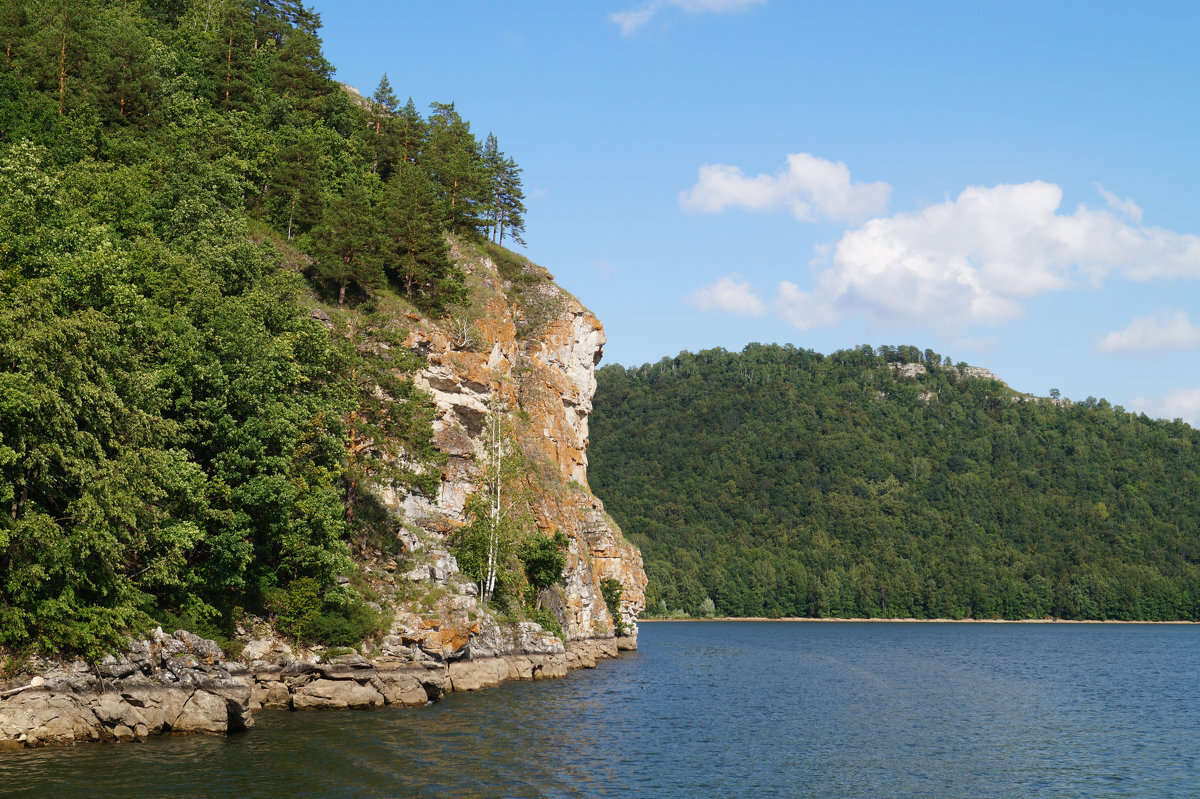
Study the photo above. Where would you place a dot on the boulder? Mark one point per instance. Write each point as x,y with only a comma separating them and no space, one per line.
472,675
36,717
278,697
204,713
237,702
325,693
403,688
626,643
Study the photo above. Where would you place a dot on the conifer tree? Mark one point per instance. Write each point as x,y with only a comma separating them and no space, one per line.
510,203
418,256
293,192
453,159
54,42
348,243
384,105
493,163
411,135
127,77
230,54
300,72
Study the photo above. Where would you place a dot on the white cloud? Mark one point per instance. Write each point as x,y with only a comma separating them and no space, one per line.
801,308
1126,207
730,295
632,19
1180,403
810,187
1153,334
979,257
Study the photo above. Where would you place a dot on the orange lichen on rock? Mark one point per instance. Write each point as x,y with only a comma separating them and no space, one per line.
544,380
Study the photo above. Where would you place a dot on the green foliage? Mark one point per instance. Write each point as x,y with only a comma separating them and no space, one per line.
307,613
611,589
780,482
297,608
484,546
543,559
178,436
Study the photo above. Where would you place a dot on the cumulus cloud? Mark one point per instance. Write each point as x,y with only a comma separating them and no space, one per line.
729,295
979,257
810,187
1153,334
1180,403
630,20
802,308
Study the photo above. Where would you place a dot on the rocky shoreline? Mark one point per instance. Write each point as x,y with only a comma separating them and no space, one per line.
181,684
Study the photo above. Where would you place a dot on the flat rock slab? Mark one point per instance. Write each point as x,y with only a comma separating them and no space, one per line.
325,693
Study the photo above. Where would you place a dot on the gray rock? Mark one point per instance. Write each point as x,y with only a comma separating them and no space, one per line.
114,667
204,713
325,693
204,650
354,661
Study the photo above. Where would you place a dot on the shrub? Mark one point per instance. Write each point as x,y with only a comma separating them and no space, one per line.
611,589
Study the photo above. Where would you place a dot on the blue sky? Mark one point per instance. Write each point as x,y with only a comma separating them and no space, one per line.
1011,184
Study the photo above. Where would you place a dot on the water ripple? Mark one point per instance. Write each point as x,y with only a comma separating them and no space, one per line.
814,710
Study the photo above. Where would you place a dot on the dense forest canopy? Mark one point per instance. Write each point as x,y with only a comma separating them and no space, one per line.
181,433
781,482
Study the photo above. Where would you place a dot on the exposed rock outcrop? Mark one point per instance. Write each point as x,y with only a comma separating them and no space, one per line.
543,379
531,358
166,684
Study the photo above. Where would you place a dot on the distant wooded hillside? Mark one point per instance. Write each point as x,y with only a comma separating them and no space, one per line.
779,481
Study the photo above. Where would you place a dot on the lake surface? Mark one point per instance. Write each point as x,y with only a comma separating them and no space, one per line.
729,709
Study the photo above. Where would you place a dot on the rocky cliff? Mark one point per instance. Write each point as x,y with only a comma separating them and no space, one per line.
528,353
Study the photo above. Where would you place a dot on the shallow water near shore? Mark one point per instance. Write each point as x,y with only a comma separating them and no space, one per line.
728,709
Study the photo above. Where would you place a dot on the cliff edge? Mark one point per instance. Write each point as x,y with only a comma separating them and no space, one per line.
526,351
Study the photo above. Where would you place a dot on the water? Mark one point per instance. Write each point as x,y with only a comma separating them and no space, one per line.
729,709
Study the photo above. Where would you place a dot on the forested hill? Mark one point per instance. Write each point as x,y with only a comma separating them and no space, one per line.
207,251
779,481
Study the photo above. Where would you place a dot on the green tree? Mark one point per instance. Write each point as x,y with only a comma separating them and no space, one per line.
418,256
348,243
384,106
411,135
543,558
453,160
504,200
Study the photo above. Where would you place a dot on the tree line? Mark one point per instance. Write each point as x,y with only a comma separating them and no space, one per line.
782,482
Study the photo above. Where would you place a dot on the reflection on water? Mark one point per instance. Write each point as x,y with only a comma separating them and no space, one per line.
731,709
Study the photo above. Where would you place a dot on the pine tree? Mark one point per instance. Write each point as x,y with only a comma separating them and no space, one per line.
493,164
348,243
418,256
411,135
453,159
384,105
504,206
300,72
127,79
53,47
12,23
230,55
293,192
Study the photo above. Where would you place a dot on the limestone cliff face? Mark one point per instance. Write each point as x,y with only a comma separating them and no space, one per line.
540,373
